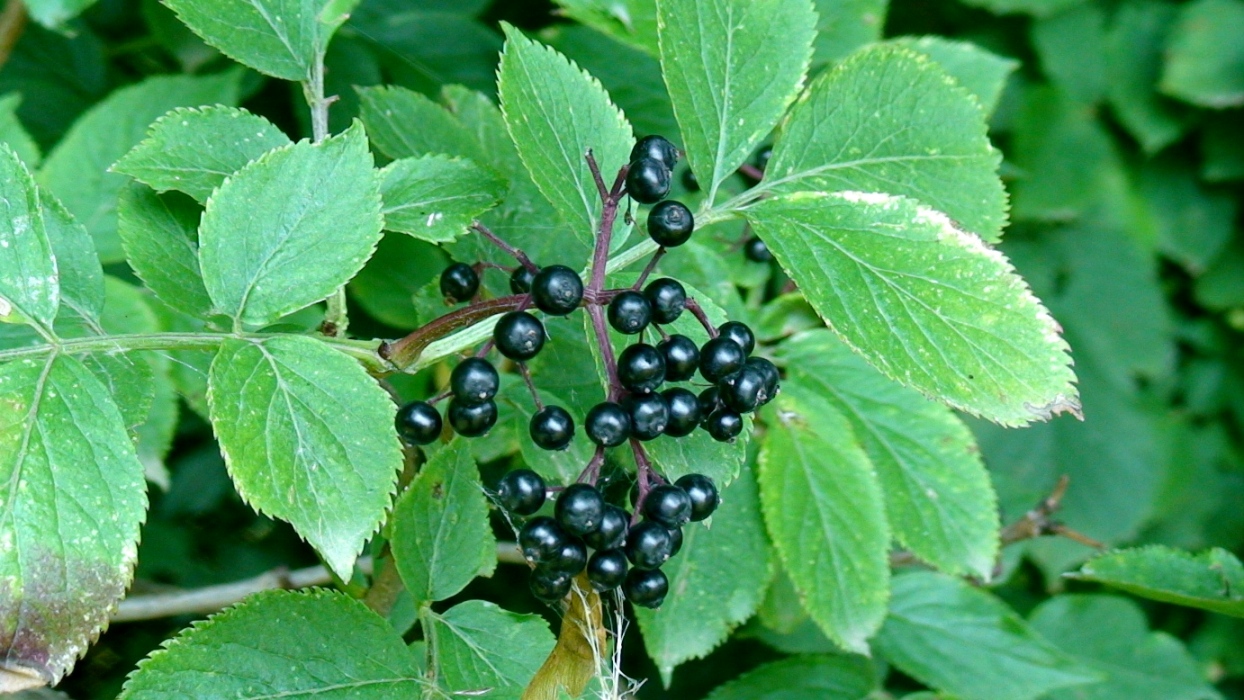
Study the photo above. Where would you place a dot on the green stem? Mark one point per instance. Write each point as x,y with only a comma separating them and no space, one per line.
336,318
426,619
313,89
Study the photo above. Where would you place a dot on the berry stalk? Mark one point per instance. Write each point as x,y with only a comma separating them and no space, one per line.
403,352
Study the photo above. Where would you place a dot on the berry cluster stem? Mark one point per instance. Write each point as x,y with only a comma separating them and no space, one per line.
698,311
403,352
600,258
516,253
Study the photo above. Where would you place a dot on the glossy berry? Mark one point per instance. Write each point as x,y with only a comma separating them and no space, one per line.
521,279
607,424
667,298
771,377
579,509
703,494
723,425
646,589
641,368
682,357
648,545
549,586
521,492
474,380
648,181
756,251
606,570
670,224
570,558
551,428
675,541
690,181
710,400
540,539
472,419
684,411
740,333
519,335
614,524
741,391
720,358
629,312
459,282
418,423
668,505
557,290
657,148
649,415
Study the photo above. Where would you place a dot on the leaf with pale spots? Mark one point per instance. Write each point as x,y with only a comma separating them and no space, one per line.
29,288
435,198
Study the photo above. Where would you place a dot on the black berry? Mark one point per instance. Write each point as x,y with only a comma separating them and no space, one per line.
579,509
521,279
521,492
703,494
540,539
629,312
459,282
472,419
720,358
474,380
740,333
684,411
648,181
570,558
675,541
657,148
549,586
649,415
690,181
606,570
648,545
723,425
667,298
519,335
614,524
741,391
607,424
710,400
418,423
682,357
641,368
668,505
551,428
756,251
670,224
771,377
557,290
646,588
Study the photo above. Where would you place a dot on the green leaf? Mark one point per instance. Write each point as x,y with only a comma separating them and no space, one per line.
1135,43
804,677
823,507
980,72
70,510
938,498
76,171
891,120
967,643
291,227
14,134
1037,8
281,644
435,198
1204,57
1071,46
1222,147
387,284
1222,285
161,244
405,124
559,466
129,376
633,22
54,13
481,646
843,26
195,150
1193,223
716,581
29,284
320,454
1212,580
441,538
427,50
926,303
732,68
1112,636
77,265
555,113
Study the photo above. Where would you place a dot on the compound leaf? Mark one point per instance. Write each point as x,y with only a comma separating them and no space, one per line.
158,233
435,198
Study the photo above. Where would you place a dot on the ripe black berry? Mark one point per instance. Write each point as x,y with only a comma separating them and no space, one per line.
569,559
684,411
657,148
682,357
646,588
521,279
703,493
606,570
770,374
648,181
710,400
648,545
756,251
459,282
474,380
607,424
629,312
690,181
614,524
720,358
549,586
667,298
519,335
740,333
668,505
670,224
641,368
418,423
540,539
551,428
579,509
649,415
723,425
675,541
521,492
557,290
741,391
472,419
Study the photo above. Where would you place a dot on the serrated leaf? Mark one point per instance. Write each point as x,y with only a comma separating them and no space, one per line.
194,150
29,283
441,538
967,643
555,113
281,644
822,677
716,581
77,266
76,171
888,119
732,68
291,227
72,498
405,124
925,302
130,377
982,73
435,198
843,26
161,244
823,507
307,436
1135,42
938,498
633,22
14,134
1212,580
480,646
1204,57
